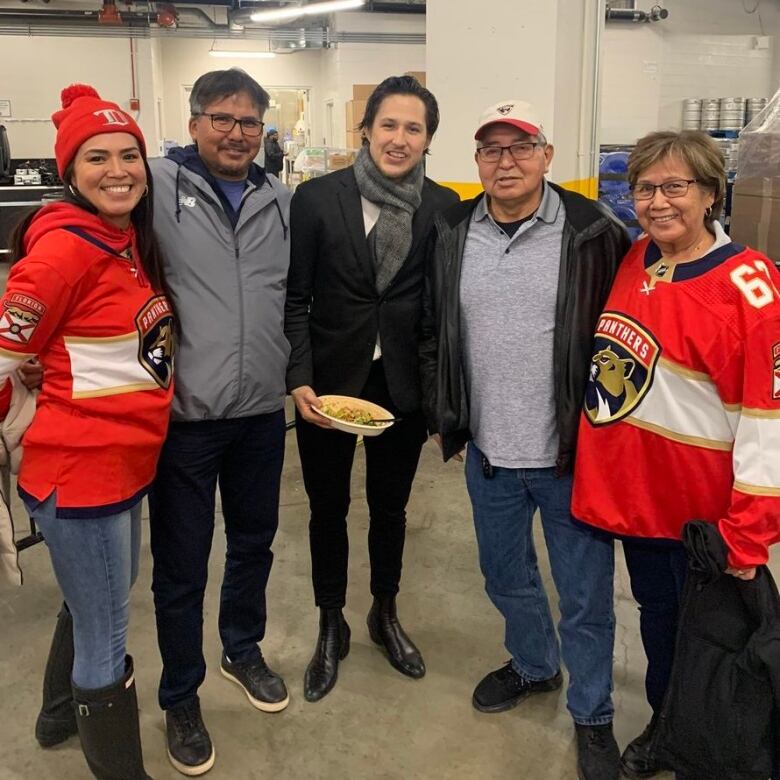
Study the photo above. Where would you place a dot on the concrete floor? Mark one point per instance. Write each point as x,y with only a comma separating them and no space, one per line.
375,723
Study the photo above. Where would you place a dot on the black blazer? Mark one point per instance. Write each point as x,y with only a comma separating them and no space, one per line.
333,311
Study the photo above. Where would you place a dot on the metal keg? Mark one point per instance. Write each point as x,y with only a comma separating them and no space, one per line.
732,103
691,118
754,106
710,114
732,113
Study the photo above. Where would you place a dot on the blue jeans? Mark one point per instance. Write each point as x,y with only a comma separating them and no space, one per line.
244,455
95,561
658,569
582,564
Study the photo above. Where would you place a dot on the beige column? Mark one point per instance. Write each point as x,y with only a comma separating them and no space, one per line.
545,53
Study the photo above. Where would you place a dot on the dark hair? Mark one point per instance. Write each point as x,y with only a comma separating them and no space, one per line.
217,85
142,218
693,147
401,85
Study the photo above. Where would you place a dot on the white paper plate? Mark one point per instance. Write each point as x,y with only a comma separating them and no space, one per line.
361,430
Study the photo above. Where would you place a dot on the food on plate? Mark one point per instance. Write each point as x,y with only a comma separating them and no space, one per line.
348,414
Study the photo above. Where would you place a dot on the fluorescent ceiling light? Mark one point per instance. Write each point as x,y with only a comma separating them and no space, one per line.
291,12
254,55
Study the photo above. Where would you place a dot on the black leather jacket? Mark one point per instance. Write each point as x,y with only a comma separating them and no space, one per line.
593,244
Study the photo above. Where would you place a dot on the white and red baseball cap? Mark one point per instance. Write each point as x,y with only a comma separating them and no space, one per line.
517,113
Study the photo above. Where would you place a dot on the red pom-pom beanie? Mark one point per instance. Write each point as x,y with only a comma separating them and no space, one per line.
83,115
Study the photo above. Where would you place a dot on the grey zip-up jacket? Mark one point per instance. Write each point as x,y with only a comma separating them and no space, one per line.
227,274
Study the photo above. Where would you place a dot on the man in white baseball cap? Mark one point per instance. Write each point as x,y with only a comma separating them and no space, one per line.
517,279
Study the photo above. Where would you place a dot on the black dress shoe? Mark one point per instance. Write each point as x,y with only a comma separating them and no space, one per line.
598,756
332,647
638,760
385,630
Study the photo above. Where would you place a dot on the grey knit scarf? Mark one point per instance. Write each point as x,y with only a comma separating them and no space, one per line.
398,199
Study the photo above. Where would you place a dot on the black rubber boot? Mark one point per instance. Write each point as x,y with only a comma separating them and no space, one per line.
108,726
332,647
56,720
385,630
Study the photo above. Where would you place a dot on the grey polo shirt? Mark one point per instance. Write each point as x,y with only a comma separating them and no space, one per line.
508,293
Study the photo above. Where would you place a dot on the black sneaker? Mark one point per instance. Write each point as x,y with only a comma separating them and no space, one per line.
264,688
598,756
505,688
189,745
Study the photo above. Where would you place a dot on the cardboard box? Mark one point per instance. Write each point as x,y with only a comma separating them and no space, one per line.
755,215
418,74
340,159
355,111
362,91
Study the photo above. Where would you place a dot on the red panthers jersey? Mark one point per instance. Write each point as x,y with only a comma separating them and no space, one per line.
78,301
681,418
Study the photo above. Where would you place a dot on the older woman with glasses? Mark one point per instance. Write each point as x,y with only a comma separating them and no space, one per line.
681,412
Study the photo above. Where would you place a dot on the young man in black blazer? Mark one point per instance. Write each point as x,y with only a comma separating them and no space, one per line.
352,318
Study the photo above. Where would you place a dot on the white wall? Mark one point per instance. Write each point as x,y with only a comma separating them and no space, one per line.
705,48
632,62
475,59
34,70
718,66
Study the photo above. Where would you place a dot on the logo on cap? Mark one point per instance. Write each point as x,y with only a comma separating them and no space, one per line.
503,110
112,117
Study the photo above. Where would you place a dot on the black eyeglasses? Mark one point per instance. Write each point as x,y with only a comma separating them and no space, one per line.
523,150
676,188
224,123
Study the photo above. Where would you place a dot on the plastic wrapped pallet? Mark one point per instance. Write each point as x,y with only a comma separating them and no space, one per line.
316,161
755,215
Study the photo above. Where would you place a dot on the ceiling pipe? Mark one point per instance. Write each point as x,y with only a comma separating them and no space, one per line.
394,8
85,17
655,14
107,15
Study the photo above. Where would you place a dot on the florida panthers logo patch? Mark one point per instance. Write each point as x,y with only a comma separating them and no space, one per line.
776,371
20,317
155,331
621,369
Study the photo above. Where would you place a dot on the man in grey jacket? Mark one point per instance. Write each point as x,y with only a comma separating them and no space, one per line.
223,227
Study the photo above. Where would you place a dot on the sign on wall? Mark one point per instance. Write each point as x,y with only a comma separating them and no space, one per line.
5,108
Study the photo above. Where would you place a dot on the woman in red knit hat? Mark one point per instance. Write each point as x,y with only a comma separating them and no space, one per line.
86,296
